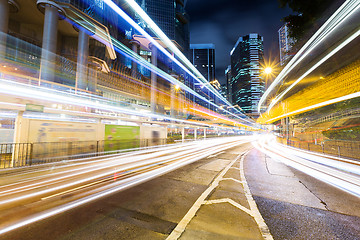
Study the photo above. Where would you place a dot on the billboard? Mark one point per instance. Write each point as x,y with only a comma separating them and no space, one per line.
54,131
121,137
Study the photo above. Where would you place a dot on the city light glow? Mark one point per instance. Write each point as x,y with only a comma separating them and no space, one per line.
345,11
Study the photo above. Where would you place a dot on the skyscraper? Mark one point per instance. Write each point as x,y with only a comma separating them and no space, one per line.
203,58
285,44
246,83
228,83
171,18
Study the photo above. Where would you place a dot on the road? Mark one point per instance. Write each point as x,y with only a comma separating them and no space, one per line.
208,197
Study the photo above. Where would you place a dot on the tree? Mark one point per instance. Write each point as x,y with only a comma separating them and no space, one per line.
308,12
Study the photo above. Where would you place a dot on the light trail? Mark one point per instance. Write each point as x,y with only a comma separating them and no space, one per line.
345,11
17,89
341,173
315,66
140,171
322,104
95,165
164,38
161,35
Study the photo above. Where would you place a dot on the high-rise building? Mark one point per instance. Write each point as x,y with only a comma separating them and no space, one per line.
203,58
224,90
246,84
172,19
285,44
228,83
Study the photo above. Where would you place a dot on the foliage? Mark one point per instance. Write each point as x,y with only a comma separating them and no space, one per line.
352,133
308,13
327,110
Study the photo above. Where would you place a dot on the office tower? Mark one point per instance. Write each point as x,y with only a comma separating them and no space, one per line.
228,83
203,58
246,84
285,44
224,91
171,18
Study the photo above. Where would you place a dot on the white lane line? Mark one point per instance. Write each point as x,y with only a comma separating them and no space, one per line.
232,202
180,228
235,168
214,155
233,179
265,232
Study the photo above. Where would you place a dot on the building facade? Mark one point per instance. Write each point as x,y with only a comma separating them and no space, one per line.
203,58
285,44
246,84
172,19
228,84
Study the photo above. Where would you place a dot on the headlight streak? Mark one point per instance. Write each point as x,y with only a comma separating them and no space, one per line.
171,45
94,160
136,162
327,170
160,34
181,153
338,163
332,101
338,48
7,87
95,166
340,16
36,92
126,183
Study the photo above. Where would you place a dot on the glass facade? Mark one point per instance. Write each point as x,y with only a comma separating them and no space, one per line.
246,84
203,58
285,44
171,18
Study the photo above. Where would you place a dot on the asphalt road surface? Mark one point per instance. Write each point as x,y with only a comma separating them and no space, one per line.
211,199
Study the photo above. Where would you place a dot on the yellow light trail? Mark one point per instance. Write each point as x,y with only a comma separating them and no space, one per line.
342,85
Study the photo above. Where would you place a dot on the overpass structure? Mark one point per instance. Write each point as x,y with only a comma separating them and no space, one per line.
314,99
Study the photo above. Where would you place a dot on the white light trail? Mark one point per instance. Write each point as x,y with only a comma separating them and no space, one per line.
160,34
198,151
34,92
165,39
338,48
345,11
341,173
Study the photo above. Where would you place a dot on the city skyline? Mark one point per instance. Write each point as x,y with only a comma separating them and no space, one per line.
225,22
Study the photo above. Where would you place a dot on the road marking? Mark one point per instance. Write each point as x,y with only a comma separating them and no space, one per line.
214,155
232,202
265,232
235,168
253,211
180,228
233,179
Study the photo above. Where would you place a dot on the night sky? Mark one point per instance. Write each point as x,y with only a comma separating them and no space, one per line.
222,22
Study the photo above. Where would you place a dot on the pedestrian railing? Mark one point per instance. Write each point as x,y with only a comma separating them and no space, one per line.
339,148
25,154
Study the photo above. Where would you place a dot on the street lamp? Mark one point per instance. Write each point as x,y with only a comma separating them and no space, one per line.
268,70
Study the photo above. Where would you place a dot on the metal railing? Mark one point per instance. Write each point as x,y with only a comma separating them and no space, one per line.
338,148
26,154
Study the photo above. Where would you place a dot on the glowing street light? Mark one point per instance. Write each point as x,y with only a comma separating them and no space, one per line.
268,70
